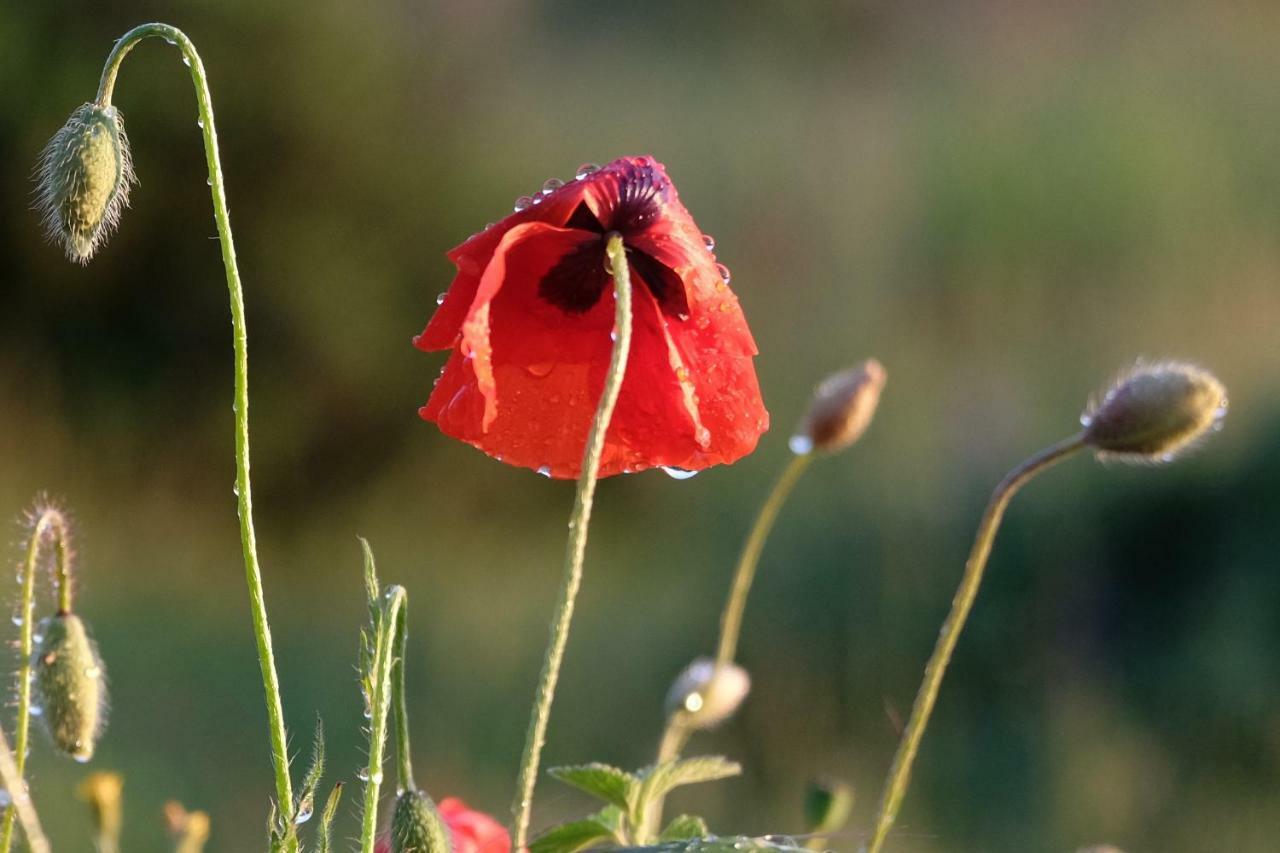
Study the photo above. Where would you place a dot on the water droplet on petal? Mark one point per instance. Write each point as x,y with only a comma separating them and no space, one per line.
724,273
709,242
801,445
523,203
541,369
545,471
678,473
441,297
551,185
584,170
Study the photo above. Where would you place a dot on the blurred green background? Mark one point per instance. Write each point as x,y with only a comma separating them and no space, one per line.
1004,202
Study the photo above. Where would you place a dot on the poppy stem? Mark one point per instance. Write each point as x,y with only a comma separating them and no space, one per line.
17,788
49,522
676,734
244,495
577,545
900,772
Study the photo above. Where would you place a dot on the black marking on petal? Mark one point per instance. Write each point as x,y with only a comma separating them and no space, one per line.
575,283
584,219
662,281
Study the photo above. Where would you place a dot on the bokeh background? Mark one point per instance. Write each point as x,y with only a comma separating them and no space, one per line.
1004,202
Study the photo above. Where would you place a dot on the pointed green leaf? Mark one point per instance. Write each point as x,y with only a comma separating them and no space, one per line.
685,827
326,819
572,837
306,801
600,780
660,780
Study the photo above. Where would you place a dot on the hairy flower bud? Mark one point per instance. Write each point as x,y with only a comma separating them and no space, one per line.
416,826
842,408
1154,411
85,173
827,804
707,695
70,684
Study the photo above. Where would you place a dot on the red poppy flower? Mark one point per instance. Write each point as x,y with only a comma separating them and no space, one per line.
529,318
470,831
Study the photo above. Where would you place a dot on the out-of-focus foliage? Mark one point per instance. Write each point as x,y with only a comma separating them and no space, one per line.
1002,202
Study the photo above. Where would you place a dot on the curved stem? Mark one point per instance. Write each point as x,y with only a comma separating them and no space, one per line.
399,705
900,772
244,495
577,545
744,574
385,643
49,521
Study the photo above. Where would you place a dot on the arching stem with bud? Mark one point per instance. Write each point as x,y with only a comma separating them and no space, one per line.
900,772
575,551
244,495
48,523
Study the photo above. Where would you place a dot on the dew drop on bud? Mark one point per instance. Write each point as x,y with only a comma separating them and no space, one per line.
709,242
551,185
523,203
724,273
584,170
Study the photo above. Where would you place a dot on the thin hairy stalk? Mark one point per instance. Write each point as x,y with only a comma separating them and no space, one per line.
399,704
244,493
676,734
900,771
49,522
22,804
385,643
577,545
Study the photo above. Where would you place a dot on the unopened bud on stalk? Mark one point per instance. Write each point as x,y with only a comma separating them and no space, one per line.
103,792
842,408
1155,411
416,826
827,805
85,173
71,685
706,695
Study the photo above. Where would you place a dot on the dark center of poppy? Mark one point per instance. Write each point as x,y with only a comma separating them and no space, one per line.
578,280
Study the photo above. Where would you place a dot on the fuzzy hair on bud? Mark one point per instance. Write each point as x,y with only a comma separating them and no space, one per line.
1155,411
70,685
827,805
416,826
842,408
84,177
706,695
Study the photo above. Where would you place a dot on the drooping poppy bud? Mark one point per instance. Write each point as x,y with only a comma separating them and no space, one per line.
706,695
416,826
85,173
529,321
1155,411
842,408
70,685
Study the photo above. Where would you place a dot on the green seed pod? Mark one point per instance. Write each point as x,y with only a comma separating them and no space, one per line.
70,685
1155,411
416,826
827,804
85,173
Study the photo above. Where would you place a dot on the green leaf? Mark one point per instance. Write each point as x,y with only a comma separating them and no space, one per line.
326,818
660,780
685,827
572,837
600,780
306,801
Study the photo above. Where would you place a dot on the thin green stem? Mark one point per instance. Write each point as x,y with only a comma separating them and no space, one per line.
48,522
900,771
577,545
399,704
677,732
244,494
392,609
744,574
22,804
